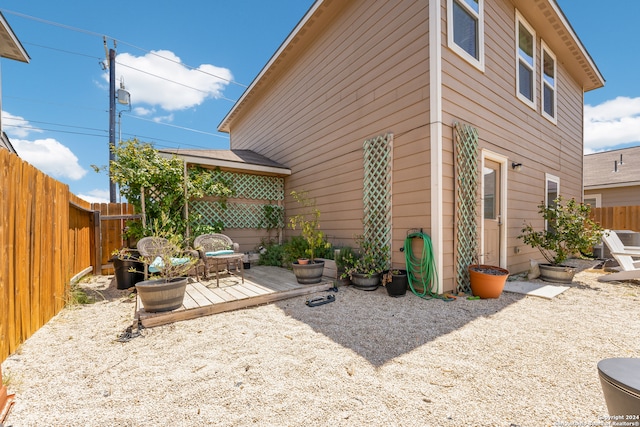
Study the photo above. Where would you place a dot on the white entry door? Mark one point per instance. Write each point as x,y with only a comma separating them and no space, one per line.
492,212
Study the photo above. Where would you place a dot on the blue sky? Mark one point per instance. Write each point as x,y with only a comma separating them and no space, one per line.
186,63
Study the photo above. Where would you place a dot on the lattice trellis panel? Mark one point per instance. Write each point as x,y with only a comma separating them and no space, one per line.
255,187
237,215
466,164
377,190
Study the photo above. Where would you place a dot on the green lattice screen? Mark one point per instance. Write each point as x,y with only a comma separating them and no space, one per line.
466,164
237,215
377,190
255,187
243,215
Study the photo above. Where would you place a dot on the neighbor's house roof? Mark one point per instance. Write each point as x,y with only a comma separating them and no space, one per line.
10,46
245,160
600,169
545,16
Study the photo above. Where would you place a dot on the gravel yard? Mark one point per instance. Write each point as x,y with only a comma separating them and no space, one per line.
365,359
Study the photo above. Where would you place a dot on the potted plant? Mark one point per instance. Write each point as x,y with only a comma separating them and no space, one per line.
308,222
568,231
487,281
365,267
169,266
396,282
128,267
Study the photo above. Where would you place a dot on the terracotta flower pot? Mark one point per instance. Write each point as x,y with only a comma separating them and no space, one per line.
487,281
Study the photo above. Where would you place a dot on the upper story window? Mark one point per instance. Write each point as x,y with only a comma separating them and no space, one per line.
465,30
548,73
526,61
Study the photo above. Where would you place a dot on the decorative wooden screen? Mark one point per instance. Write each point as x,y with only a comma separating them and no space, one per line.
377,190
466,167
244,215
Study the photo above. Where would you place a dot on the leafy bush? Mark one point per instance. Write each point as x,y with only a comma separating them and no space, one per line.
570,230
294,249
273,254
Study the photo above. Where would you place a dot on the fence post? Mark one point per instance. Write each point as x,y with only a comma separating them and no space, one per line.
97,244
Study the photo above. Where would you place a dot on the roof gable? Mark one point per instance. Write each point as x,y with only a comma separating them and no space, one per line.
545,15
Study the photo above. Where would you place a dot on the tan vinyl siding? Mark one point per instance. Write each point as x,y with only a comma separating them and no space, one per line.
363,75
511,128
619,196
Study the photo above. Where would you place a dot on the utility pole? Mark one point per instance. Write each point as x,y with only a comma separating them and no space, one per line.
112,121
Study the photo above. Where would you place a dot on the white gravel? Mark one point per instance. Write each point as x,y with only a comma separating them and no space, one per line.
364,360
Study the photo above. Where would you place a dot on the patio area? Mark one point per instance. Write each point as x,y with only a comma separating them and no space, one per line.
261,285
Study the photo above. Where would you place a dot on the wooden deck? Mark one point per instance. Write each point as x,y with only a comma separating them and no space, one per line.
262,285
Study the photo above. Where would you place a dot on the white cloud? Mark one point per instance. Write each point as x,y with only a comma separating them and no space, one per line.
16,126
51,157
610,124
167,83
96,196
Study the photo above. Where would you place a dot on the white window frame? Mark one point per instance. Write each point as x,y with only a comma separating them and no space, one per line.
476,62
549,178
530,102
545,49
597,197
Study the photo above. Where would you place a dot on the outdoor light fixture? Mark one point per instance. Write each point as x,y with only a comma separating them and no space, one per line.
516,166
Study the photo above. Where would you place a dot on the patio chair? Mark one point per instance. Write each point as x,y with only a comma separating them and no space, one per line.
218,252
153,247
628,267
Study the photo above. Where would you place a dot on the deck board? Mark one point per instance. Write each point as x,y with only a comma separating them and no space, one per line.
262,285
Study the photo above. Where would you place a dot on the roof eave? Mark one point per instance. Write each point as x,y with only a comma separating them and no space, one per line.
228,164
22,54
224,125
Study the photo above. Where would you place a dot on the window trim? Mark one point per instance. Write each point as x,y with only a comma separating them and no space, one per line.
479,62
530,102
545,49
597,197
549,178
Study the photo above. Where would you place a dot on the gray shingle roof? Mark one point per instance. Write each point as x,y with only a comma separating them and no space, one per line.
242,159
599,168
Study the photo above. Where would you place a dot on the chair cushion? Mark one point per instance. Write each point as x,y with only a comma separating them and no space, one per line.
222,252
157,263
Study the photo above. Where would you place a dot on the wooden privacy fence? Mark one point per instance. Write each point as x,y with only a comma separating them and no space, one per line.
47,235
617,217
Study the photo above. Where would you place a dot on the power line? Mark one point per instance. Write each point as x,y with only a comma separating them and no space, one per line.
93,33
171,81
179,127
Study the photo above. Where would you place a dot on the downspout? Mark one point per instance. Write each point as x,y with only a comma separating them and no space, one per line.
435,125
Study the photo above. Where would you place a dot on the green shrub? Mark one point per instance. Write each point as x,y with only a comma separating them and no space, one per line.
273,254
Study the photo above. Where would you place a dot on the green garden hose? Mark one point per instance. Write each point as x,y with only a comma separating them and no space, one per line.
421,270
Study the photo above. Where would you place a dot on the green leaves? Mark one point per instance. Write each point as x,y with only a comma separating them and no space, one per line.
139,170
309,223
569,231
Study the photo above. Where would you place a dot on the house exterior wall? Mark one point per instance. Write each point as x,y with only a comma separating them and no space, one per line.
618,196
361,69
507,126
364,74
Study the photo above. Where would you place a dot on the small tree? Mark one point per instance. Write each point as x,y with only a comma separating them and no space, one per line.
139,169
569,230
309,224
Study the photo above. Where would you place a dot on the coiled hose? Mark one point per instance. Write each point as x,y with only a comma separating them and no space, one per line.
421,271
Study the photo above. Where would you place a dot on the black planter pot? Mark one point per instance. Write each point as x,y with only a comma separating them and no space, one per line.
398,284
126,279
